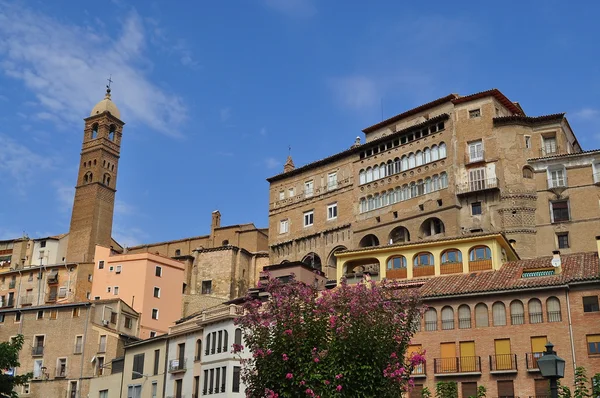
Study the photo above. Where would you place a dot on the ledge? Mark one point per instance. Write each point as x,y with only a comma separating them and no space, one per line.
503,372
457,374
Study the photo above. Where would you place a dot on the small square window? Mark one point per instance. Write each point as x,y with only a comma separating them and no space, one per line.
157,292
43,243
118,269
127,322
158,271
290,192
40,314
206,287
116,291
101,264
308,218
154,313
590,304
111,268
560,211
593,343
152,333
473,113
563,240
476,208
113,318
332,211
284,226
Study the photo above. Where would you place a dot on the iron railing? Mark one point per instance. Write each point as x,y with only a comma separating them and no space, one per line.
536,317
420,370
503,362
554,316
464,323
531,359
177,365
517,319
457,365
477,186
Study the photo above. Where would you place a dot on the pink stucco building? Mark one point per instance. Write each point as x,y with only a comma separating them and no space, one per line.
149,283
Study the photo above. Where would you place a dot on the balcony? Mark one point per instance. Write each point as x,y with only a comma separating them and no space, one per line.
480,265
26,300
53,278
503,363
399,273
477,186
531,359
37,351
51,298
12,284
457,366
10,302
357,277
423,270
420,370
177,365
451,268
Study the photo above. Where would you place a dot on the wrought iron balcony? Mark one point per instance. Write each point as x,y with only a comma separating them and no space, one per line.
485,184
531,359
419,370
503,363
177,365
457,365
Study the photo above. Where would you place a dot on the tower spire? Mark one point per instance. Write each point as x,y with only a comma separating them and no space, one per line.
289,163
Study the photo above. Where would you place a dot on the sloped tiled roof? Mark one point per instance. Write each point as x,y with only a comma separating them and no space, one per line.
528,120
576,267
564,155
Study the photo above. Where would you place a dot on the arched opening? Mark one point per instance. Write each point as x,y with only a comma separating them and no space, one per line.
106,179
225,242
399,235
517,313
355,270
432,226
464,317
553,310
534,306
480,258
111,132
481,315
396,267
313,260
198,349
332,260
430,319
527,172
423,264
237,339
85,178
451,262
499,313
177,252
447,318
95,131
369,241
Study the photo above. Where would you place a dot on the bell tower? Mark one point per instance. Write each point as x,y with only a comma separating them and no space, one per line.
92,217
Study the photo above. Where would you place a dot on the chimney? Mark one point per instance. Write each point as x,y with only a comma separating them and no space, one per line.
289,165
556,262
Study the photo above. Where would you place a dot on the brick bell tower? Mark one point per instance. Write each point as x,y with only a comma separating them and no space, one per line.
92,217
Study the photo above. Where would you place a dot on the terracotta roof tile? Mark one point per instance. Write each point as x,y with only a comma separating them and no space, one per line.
564,155
528,120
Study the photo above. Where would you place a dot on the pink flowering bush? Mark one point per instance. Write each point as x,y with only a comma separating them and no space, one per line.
347,342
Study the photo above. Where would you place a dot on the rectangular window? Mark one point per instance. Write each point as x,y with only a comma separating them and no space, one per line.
560,210
593,344
1,318
291,192
156,292
331,181
154,313
108,289
281,195
102,344
563,240
134,391
75,312
99,366
206,287
473,113
152,333
284,226
156,361
332,211
557,177
78,345
528,141
103,394
476,208
43,243
138,366
118,269
154,391
158,271
116,291
469,389
17,317
506,389
113,317
541,387
308,188
26,389
308,218
61,367
549,145
53,314
236,379
127,322
101,264
590,304
477,179
475,151
37,368
111,268
40,314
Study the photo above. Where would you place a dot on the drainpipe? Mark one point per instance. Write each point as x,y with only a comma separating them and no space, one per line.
166,371
87,321
571,330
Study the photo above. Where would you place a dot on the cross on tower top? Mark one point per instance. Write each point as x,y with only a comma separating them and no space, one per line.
108,85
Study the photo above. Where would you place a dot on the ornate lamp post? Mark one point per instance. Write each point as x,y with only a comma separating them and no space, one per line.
552,367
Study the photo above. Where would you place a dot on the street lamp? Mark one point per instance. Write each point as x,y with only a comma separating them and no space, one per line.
552,367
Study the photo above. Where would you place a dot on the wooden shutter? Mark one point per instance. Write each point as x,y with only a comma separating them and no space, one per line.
416,391
469,389
542,387
448,357
468,360
538,344
506,389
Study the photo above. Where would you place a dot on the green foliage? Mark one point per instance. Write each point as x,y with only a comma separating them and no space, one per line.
581,383
9,359
481,392
596,385
347,342
446,389
425,393
564,392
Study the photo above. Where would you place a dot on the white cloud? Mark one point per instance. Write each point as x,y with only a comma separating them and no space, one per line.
586,114
64,196
129,236
123,208
18,164
272,163
293,8
355,92
66,65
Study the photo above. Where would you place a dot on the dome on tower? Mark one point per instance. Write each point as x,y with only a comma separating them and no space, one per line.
106,105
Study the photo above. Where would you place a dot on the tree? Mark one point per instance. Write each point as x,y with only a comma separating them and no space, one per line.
581,383
348,342
446,389
9,360
596,385
425,393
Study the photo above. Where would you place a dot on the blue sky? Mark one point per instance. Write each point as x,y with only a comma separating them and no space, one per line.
213,93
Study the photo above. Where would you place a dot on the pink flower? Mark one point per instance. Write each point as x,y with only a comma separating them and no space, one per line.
327,382
316,359
289,376
285,357
302,383
288,332
339,376
309,392
339,388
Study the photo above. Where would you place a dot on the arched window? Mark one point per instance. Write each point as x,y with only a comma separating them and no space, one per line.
396,262
413,189
225,341
375,173
371,202
377,200
85,178
553,309
111,132
499,313
390,167
404,162
443,180
382,170
362,177
178,252
106,179
95,131
313,260
464,317
207,347
397,165
392,196
481,316
447,318
369,241
363,205
397,194
442,150
237,339
399,235
435,182
527,172
517,313
91,176
422,259
405,192
419,156
427,155
431,319
411,160
420,187
432,226
198,349
225,242
451,256
534,306
385,200
369,174
427,185
479,253
435,154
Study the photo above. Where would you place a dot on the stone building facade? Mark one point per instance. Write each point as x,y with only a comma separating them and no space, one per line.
454,166
66,345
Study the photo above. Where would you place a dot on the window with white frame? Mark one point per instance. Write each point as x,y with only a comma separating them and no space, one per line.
476,151
308,188
284,226
596,170
332,211
290,192
116,291
549,145
156,292
108,289
281,195
158,271
154,313
309,218
331,181
118,269
557,177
